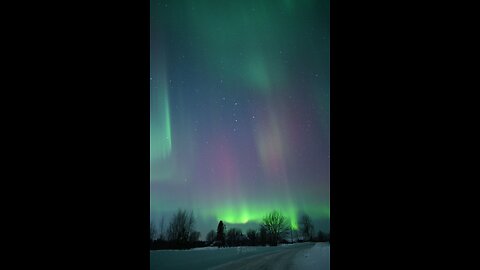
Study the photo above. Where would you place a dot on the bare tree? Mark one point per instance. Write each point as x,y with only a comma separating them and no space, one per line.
211,236
263,235
161,234
180,228
322,237
291,233
252,236
276,225
306,227
153,231
194,236
234,236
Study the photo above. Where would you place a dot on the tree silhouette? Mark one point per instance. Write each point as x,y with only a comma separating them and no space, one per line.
306,227
180,228
194,236
234,237
153,232
161,235
290,229
322,237
263,235
210,236
221,233
276,224
252,236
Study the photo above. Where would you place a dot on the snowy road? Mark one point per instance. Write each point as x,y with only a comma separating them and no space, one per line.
297,256
278,259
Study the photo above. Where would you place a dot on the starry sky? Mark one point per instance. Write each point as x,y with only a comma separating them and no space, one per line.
240,110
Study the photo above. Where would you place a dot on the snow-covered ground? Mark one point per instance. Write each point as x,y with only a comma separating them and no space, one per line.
296,256
317,257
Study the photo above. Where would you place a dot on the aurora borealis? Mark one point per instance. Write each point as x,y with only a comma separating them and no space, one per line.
240,110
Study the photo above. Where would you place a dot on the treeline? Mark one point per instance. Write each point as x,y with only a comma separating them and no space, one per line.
179,234
274,229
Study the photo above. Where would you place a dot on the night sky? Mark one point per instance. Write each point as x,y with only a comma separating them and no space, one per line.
240,110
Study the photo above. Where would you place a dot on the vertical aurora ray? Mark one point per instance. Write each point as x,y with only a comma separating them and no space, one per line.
240,110
160,128
160,125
